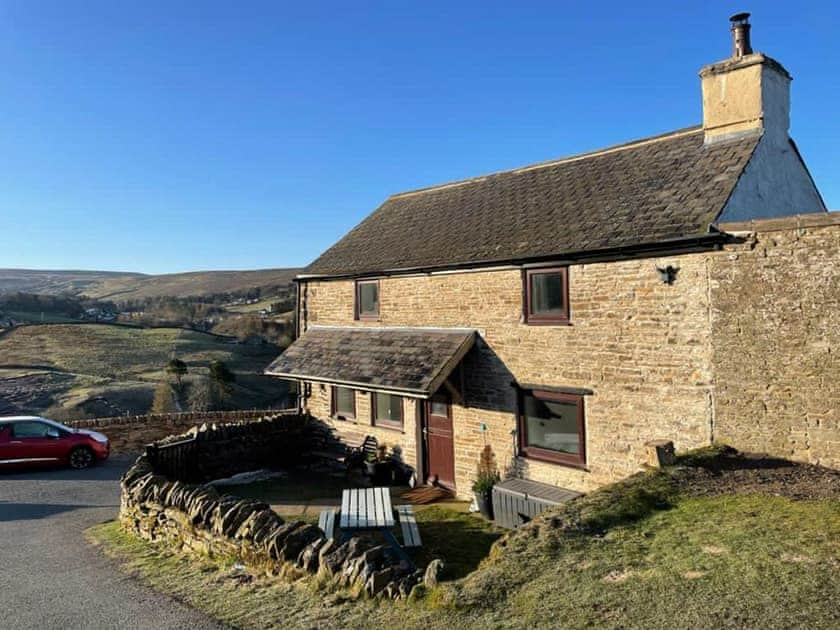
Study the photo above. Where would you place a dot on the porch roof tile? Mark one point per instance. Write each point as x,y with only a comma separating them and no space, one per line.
407,361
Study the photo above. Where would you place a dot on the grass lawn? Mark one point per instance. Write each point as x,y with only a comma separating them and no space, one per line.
645,553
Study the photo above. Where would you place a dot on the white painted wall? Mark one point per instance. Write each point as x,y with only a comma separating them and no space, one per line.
775,183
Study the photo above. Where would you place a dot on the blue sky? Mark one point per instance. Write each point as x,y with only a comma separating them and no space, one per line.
174,136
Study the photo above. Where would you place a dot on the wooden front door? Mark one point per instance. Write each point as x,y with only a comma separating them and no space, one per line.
439,442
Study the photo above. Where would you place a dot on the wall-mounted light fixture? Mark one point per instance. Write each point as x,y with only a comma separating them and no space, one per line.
668,274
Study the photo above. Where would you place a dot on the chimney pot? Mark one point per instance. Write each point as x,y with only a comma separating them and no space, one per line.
740,35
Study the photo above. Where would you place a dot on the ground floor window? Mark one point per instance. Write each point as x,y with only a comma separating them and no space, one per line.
551,427
387,411
343,403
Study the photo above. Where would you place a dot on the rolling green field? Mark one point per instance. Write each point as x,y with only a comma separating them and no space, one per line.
104,369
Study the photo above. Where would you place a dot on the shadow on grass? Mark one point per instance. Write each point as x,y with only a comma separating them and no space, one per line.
460,539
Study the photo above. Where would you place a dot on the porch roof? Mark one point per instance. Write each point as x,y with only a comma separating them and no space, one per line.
411,362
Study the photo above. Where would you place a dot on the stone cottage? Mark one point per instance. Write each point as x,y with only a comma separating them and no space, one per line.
682,287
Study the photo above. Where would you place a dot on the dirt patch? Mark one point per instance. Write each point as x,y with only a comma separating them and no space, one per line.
741,473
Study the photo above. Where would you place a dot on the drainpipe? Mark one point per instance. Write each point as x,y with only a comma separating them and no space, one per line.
301,317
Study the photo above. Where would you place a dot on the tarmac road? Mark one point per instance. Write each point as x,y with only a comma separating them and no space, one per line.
51,578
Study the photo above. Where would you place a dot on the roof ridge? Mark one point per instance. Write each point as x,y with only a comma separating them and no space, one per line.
685,131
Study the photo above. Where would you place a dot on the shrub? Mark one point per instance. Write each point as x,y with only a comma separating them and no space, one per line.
487,473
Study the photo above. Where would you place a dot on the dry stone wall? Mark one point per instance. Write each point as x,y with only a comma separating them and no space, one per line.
131,434
196,517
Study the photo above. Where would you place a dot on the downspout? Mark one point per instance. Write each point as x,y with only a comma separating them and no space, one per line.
711,350
300,328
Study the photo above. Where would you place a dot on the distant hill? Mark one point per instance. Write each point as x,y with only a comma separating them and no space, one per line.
118,286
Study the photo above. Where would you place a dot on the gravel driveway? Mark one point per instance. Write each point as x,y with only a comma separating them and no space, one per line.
51,578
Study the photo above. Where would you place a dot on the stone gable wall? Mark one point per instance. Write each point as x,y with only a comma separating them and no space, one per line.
776,339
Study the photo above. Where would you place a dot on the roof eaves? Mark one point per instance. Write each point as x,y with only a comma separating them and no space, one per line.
579,256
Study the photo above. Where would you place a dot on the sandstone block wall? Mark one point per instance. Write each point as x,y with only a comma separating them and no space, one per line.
776,338
742,348
642,346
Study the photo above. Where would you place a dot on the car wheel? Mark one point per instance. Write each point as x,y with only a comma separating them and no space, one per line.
80,458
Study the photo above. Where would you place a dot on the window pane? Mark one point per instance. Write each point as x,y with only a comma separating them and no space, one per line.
369,298
345,400
439,408
30,429
547,293
552,425
389,408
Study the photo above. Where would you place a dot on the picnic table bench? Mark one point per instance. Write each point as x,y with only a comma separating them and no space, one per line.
370,509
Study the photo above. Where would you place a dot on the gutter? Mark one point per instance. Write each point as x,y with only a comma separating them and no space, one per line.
682,244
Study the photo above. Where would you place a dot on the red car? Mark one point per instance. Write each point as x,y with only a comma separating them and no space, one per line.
35,440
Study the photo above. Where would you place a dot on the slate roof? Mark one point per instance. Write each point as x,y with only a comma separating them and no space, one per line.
412,361
648,191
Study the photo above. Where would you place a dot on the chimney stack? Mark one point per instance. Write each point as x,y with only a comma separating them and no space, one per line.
747,93
740,35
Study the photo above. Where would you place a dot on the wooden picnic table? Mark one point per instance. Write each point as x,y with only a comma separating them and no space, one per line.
365,509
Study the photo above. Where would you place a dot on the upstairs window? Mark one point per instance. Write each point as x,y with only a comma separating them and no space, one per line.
387,411
546,296
551,427
343,403
367,299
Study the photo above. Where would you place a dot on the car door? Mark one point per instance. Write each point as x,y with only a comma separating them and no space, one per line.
36,441
8,451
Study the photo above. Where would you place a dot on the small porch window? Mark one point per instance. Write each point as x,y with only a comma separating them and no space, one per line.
367,299
546,296
387,411
551,427
343,403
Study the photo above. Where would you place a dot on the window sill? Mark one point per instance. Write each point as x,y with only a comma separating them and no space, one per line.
398,428
547,323
344,419
556,462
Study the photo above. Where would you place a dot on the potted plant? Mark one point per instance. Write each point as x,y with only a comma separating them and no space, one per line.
486,477
370,463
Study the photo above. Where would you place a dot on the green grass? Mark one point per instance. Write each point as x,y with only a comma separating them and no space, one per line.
743,561
637,554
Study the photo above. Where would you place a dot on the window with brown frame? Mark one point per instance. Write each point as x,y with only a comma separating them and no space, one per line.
343,404
367,299
551,427
546,295
386,411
